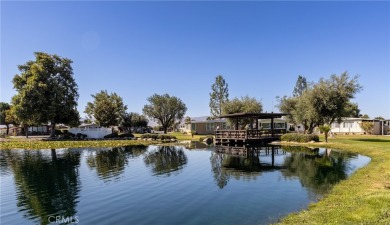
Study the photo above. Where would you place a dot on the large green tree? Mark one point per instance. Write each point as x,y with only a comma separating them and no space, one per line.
4,107
106,109
46,92
218,96
165,110
323,103
243,105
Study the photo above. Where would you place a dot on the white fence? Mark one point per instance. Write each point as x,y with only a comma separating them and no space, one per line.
92,132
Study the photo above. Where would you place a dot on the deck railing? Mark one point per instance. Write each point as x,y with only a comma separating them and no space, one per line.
241,134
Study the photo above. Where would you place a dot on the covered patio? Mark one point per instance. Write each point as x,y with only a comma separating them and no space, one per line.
252,133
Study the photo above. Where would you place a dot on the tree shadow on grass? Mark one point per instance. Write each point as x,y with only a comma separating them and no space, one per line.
372,140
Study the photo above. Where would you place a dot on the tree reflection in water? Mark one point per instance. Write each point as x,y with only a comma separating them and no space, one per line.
225,166
47,183
109,164
166,160
316,171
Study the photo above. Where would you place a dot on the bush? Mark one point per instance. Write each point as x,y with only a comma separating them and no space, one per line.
124,135
294,137
113,135
157,136
58,132
81,136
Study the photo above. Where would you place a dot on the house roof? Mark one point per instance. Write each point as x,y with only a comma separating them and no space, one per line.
210,121
254,115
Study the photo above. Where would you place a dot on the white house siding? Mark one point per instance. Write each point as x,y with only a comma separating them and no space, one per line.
352,126
92,132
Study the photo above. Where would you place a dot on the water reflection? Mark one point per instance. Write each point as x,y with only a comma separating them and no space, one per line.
166,160
317,170
110,163
241,162
47,183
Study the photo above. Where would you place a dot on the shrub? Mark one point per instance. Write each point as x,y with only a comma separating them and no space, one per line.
81,136
113,135
126,135
294,137
157,136
58,132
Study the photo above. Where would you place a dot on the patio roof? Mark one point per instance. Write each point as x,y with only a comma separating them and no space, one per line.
254,115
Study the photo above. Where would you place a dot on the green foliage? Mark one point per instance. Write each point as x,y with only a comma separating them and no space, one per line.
106,109
295,137
113,135
325,129
158,137
165,109
365,116
3,109
323,103
300,86
244,105
379,118
367,126
218,96
139,120
126,135
46,91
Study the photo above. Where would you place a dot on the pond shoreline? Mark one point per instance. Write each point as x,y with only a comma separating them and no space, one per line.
362,198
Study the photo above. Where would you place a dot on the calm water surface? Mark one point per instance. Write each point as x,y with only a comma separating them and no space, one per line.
166,185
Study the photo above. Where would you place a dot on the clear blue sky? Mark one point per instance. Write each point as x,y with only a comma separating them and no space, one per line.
137,49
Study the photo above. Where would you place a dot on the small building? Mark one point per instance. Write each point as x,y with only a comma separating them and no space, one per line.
207,126
352,126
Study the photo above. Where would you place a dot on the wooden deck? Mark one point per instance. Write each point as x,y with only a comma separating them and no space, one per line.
244,136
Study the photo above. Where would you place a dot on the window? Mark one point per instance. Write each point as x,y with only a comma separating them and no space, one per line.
193,126
266,125
224,126
335,125
347,124
210,126
279,125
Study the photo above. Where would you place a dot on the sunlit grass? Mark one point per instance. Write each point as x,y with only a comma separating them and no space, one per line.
364,198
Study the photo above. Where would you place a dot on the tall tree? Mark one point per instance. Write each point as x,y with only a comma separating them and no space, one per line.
243,105
300,86
106,109
139,120
325,102
46,92
4,107
218,96
165,109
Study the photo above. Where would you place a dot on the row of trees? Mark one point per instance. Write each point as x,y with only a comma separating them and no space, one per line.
47,94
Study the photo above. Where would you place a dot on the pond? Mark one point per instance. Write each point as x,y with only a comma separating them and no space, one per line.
166,184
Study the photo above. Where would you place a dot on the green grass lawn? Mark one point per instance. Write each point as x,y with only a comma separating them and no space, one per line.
364,198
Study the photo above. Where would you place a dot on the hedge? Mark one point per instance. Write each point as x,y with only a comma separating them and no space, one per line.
294,137
157,136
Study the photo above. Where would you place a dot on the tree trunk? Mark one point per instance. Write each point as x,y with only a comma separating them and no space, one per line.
165,130
26,130
52,129
7,125
326,137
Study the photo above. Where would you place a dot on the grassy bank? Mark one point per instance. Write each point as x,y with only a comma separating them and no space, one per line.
38,144
364,198
181,137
